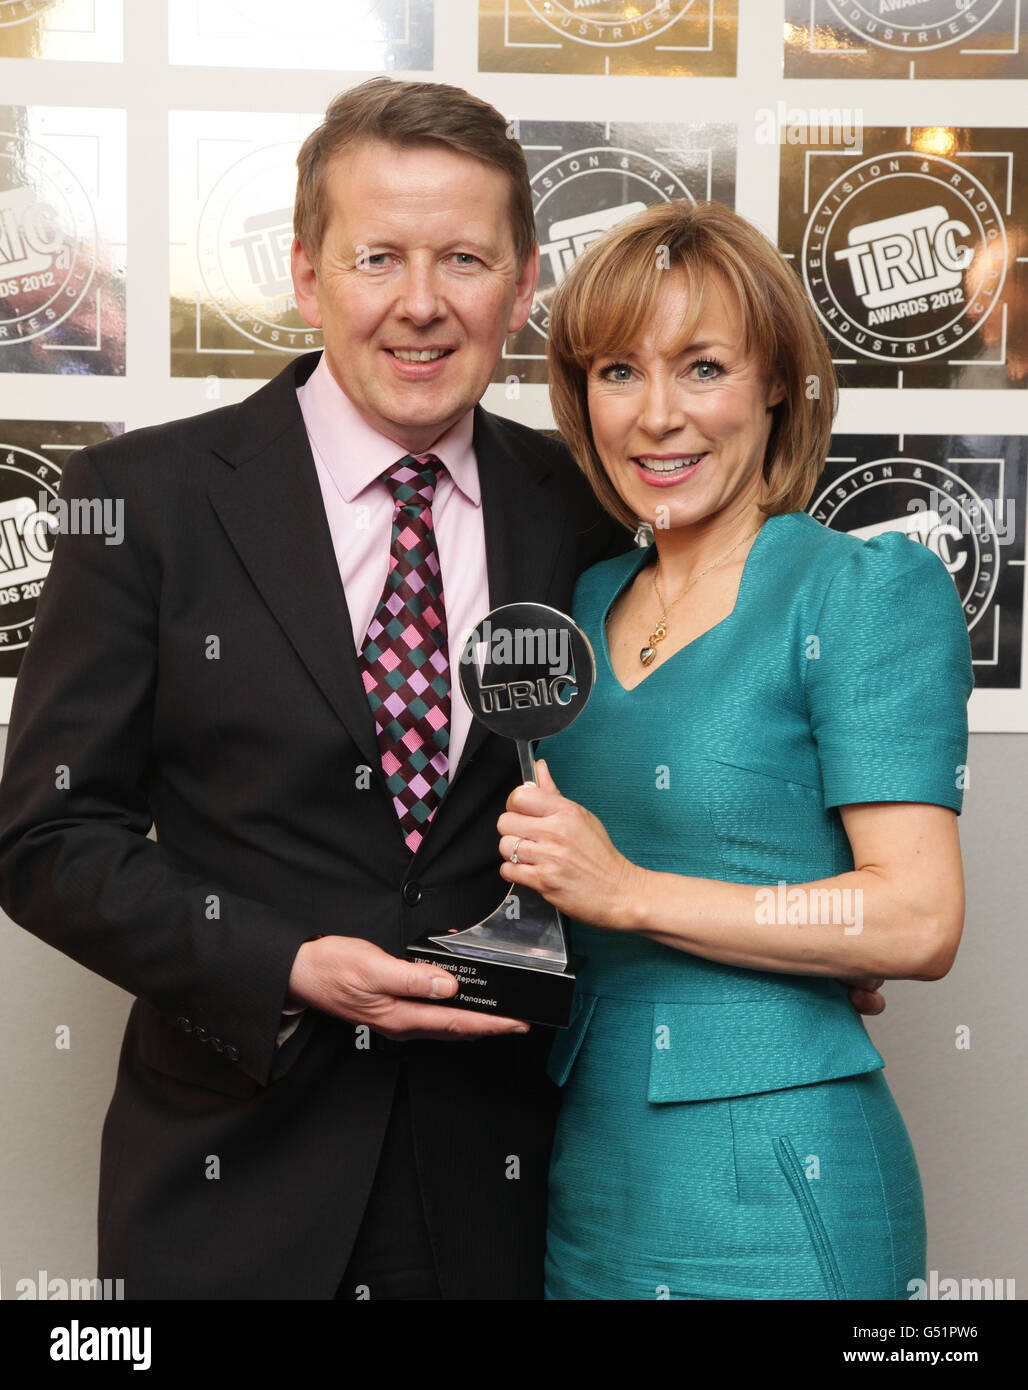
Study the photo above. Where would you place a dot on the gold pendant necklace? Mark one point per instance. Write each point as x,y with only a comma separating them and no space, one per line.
649,652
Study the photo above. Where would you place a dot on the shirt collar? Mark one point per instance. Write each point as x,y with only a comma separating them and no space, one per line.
356,454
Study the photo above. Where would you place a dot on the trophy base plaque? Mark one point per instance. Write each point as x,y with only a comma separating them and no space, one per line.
530,992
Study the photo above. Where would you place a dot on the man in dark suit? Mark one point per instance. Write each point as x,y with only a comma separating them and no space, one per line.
291,1118
208,676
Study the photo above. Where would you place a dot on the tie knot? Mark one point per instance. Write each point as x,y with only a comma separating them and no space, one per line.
413,479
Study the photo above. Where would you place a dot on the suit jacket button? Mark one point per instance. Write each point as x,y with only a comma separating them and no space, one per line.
231,1054
217,1044
200,1033
185,1025
412,893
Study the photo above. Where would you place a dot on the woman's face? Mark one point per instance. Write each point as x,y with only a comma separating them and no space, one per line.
685,432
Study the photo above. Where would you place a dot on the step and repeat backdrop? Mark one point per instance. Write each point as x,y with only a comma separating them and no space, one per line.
881,143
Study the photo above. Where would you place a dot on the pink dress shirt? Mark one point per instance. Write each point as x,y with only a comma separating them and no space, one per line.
350,455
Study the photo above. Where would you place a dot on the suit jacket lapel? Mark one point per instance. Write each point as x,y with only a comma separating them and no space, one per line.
264,487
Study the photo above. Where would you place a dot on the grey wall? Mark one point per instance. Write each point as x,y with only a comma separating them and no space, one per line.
964,1108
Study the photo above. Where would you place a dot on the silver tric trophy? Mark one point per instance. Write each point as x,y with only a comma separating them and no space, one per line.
526,671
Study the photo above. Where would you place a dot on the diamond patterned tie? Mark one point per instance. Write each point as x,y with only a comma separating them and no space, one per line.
405,659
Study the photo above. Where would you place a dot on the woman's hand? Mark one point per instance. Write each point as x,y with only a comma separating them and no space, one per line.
566,855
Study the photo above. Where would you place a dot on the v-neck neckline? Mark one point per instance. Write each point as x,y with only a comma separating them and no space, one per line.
633,571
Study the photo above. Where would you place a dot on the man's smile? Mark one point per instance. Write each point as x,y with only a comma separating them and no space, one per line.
419,354
416,364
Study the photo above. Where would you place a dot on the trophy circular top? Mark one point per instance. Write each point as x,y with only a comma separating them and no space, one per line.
526,671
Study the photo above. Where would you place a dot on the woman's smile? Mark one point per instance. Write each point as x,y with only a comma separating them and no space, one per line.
667,470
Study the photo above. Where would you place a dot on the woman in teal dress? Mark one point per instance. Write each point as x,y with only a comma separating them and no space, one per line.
758,804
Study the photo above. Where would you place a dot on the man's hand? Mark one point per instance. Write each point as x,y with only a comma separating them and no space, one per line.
353,979
865,996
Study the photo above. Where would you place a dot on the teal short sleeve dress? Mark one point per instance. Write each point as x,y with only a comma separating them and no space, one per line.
725,1132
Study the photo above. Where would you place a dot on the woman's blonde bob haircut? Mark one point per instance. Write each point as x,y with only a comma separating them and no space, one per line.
603,305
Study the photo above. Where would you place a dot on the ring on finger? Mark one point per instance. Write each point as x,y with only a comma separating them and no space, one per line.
514,852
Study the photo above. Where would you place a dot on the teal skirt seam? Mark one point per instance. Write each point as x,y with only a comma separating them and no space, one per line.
885,1202
789,1162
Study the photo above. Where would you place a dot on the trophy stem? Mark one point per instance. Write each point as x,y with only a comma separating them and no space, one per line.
527,760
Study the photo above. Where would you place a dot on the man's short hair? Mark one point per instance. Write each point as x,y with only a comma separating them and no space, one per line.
608,297
409,114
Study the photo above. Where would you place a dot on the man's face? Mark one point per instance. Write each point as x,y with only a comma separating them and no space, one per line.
418,256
